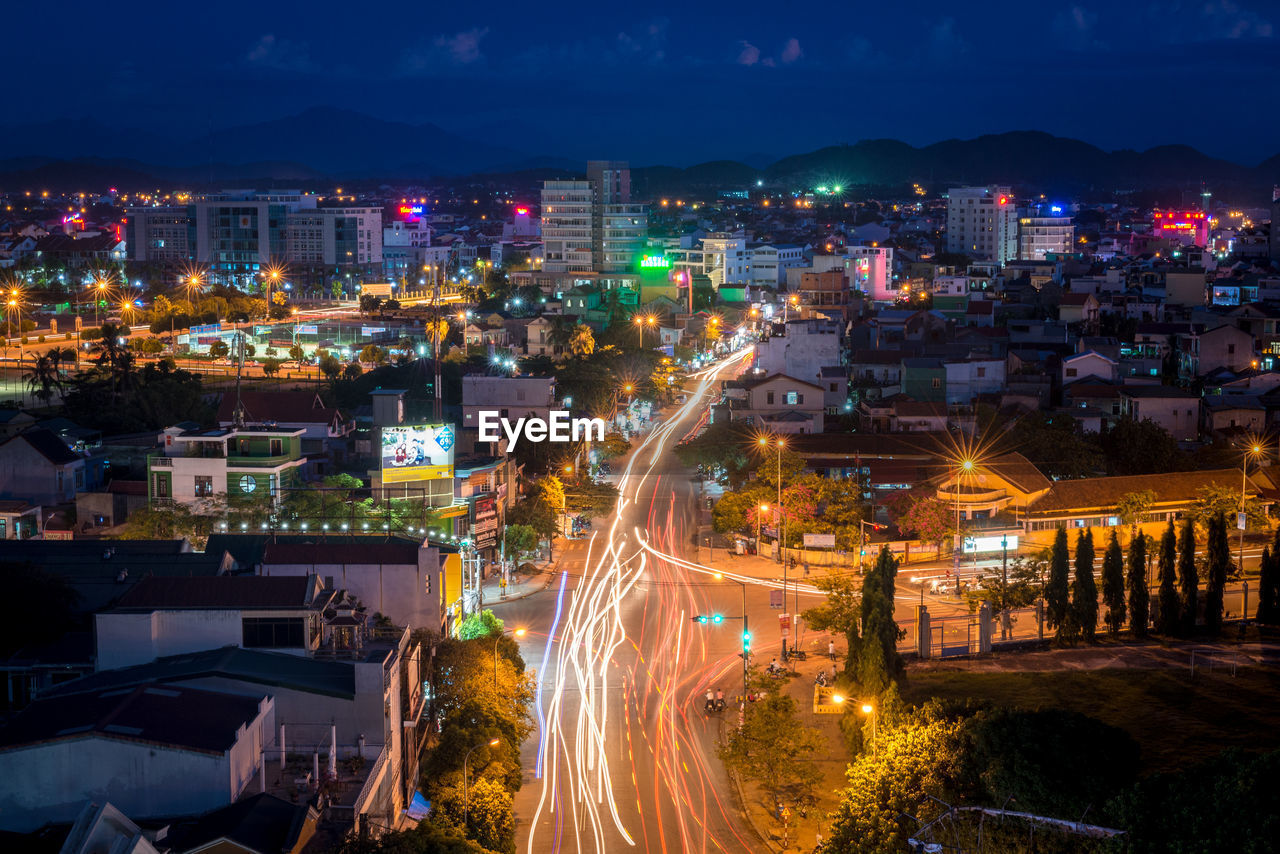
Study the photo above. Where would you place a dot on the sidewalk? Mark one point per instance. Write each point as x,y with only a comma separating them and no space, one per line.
522,585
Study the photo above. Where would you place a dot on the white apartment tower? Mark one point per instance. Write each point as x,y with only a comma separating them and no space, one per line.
593,224
1040,235
982,222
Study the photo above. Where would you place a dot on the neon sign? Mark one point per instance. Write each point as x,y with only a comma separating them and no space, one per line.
654,262
410,211
522,211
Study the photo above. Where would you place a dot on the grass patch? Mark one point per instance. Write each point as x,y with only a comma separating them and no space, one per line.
1175,720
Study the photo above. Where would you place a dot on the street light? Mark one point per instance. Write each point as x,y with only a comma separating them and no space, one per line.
465,789
760,511
518,633
868,709
640,322
1255,450
780,443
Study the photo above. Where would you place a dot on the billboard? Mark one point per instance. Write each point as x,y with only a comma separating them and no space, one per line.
423,452
819,541
307,329
973,545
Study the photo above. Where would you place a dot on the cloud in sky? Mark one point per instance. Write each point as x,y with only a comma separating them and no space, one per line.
750,54
791,51
280,54
458,50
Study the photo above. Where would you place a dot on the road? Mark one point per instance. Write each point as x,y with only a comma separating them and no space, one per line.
624,756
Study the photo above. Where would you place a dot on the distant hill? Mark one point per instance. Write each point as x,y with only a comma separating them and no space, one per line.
325,144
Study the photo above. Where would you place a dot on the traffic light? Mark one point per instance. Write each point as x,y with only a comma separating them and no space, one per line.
717,618
701,618
746,641
704,619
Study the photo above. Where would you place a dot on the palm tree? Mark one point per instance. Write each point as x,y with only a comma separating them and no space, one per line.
45,375
581,341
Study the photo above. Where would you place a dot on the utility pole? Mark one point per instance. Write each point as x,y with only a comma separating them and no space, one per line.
435,353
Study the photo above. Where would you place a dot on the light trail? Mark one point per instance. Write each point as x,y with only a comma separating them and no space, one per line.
585,778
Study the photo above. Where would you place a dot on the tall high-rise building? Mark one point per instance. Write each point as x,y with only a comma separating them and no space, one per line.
593,225
982,222
566,226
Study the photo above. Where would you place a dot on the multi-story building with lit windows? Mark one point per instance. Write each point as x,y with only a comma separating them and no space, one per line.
1040,234
198,465
234,234
593,225
982,222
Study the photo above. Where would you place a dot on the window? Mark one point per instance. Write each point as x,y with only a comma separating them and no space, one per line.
768,397
1071,372
982,372
277,447
1231,349
937,382
794,397
274,632
162,486
204,486
248,483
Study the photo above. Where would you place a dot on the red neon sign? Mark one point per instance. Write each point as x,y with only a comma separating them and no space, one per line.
522,211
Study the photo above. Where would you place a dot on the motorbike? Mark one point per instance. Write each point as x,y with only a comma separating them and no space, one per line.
821,679
714,705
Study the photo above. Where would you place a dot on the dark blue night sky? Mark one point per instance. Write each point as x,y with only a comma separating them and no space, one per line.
673,83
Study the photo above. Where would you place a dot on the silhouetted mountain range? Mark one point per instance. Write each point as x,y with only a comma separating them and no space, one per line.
326,144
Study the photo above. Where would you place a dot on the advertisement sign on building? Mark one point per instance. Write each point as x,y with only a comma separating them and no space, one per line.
371,330
207,329
485,527
422,452
990,544
307,329
819,541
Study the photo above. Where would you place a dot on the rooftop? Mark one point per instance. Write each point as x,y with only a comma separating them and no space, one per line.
187,718
1103,493
302,673
223,591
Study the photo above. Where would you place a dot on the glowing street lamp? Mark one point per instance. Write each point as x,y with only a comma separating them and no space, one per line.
1254,451
641,322
868,709
780,443
465,790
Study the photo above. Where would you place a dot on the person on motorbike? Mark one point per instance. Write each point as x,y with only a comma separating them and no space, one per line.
719,699
711,701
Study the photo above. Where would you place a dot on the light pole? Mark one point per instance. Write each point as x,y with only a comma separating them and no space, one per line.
1255,450
760,511
966,466
780,443
868,709
640,322
518,633
465,788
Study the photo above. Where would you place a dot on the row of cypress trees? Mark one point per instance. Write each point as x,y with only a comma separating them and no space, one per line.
1071,599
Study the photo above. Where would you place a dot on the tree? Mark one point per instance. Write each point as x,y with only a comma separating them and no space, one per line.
1084,589
173,521
270,367
926,519
1113,585
482,625
330,367
773,748
520,540
1133,506
1188,581
296,353
914,760
839,613
878,659
1057,592
219,349
1140,447
1269,584
1212,500
1056,444
582,342
1219,554
1139,595
1167,598
373,354
45,375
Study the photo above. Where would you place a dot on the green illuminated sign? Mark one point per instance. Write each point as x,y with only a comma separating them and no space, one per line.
654,262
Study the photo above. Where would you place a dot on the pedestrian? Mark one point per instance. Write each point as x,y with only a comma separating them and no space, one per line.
831,649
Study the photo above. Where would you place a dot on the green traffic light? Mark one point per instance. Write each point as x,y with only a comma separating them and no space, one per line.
717,619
